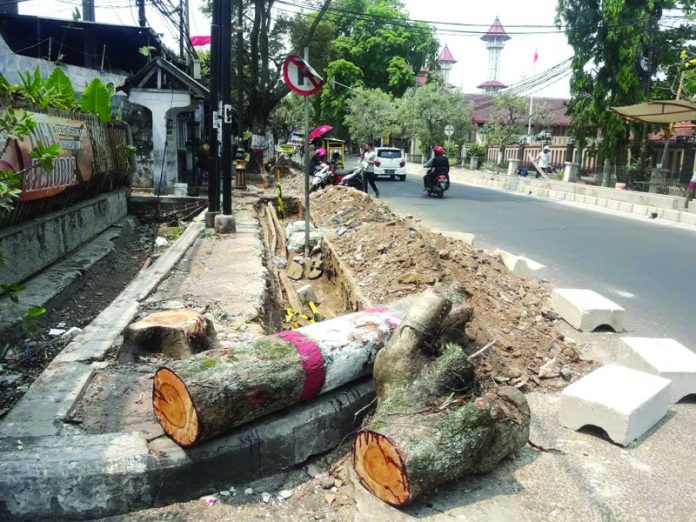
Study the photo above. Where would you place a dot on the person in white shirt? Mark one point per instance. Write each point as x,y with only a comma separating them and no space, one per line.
543,159
368,164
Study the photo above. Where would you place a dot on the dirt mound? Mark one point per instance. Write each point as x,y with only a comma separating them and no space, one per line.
392,257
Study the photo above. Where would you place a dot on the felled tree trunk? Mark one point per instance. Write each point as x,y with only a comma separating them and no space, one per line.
213,392
425,430
175,333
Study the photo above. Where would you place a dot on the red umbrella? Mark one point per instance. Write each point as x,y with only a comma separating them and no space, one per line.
319,131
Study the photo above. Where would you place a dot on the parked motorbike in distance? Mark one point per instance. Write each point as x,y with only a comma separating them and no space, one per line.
439,186
354,179
322,178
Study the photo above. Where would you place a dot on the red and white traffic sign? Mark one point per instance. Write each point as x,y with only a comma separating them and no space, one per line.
300,76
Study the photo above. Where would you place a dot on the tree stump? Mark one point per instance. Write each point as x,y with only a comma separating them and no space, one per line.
178,334
428,428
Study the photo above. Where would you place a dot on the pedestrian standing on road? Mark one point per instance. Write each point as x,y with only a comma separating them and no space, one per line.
368,164
544,161
692,191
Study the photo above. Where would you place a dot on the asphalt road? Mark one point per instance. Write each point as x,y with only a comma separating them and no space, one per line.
647,267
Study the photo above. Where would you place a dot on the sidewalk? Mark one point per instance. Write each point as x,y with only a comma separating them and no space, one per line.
58,462
638,204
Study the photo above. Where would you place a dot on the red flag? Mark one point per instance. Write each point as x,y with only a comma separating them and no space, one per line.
197,41
536,55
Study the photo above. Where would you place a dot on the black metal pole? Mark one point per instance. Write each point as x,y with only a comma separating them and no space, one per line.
226,95
240,68
214,165
142,22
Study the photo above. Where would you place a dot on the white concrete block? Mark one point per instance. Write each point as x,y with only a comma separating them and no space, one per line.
586,310
612,204
521,265
623,402
664,357
625,207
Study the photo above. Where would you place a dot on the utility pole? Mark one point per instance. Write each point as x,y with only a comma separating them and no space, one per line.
306,168
214,165
226,95
142,22
88,10
240,68
182,32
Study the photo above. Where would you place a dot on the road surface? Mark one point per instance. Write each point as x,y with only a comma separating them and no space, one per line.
647,267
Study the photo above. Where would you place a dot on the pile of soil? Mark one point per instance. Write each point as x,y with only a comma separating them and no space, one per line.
393,256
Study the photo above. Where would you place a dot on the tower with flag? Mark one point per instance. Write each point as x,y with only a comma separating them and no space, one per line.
495,40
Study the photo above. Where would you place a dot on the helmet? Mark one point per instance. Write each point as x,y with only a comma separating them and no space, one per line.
439,151
320,153
546,149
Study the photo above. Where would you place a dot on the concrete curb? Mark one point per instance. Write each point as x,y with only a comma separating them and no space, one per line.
31,246
640,204
53,394
91,476
48,284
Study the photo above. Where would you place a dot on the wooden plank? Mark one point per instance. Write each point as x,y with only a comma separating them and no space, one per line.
290,291
279,228
539,170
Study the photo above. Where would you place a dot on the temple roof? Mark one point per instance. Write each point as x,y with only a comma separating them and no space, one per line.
496,31
446,56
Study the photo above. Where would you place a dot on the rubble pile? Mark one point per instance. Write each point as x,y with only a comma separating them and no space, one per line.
392,257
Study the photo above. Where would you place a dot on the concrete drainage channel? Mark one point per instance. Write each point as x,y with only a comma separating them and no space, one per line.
83,441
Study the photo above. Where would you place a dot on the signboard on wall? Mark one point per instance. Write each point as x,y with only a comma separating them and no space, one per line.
73,166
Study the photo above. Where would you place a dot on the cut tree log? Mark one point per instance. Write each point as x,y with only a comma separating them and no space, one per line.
215,391
177,334
425,431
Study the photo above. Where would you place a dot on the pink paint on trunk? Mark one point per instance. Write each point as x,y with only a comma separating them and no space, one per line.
391,319
312,362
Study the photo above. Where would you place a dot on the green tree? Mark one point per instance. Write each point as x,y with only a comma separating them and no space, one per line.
507,122
543,118
370,115
424,112
287,115
619,46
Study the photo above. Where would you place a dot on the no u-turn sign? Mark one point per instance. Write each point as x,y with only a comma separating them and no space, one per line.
300,77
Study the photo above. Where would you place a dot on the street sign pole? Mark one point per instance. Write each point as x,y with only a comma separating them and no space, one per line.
301,78
306,166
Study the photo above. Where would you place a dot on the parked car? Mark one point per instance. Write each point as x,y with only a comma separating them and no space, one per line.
390,162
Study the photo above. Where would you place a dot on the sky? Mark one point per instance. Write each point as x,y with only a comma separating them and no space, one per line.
517,58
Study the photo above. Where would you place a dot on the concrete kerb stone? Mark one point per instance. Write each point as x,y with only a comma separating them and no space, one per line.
624,402
664,357
468,239
521,265
636,203
42,409
586,310
91,476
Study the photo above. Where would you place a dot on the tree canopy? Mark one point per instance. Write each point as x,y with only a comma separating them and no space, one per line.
424,112
619,47
508,121
370,115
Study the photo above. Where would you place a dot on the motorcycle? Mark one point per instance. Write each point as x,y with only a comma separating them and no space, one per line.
354,179
438,186
323,177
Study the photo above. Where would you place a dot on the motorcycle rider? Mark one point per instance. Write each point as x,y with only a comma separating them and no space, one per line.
316,161
438,164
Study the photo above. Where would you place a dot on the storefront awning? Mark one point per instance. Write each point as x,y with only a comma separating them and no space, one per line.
659,111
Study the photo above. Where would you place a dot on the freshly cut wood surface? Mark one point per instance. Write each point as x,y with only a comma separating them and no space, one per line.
175,333
429,427
174,408
380,468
